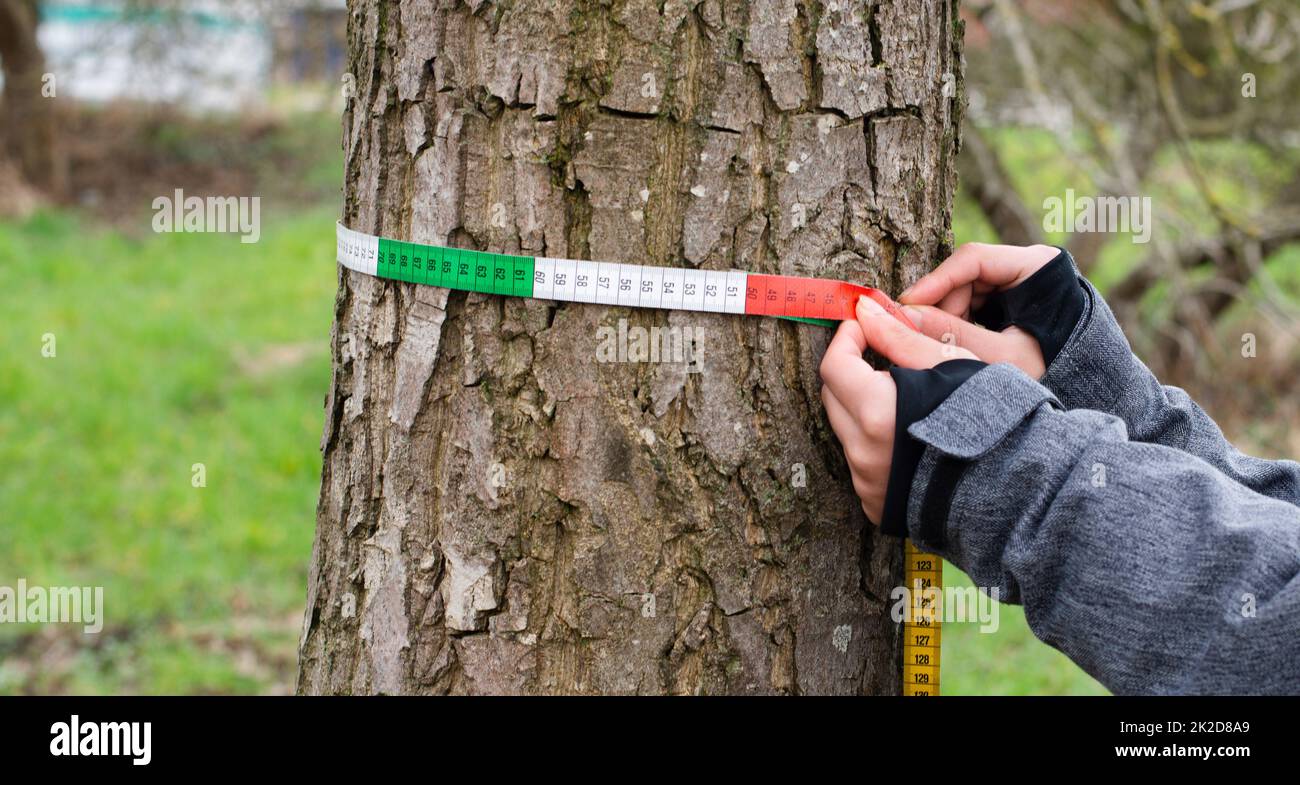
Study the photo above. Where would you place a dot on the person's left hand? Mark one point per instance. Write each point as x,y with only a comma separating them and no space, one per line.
861,401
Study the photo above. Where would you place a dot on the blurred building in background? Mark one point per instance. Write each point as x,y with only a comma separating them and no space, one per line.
200,55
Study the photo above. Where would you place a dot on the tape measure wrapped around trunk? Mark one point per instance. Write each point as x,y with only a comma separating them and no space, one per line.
817,300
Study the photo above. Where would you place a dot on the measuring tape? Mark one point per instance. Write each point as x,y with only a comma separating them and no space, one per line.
815,300
921,627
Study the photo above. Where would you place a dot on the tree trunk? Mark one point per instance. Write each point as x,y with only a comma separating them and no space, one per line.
27,135
501,511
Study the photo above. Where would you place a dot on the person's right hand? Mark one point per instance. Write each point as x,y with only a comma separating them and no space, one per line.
940,304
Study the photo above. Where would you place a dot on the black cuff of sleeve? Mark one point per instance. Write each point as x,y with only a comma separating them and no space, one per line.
919,394
1047,305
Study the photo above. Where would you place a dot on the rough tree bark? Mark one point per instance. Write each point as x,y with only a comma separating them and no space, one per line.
27,134
502,513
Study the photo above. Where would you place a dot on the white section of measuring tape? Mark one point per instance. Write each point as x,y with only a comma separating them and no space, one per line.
357,251
642,286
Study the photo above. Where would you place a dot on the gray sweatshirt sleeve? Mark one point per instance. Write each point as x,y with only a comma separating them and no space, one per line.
1096,369
1146,565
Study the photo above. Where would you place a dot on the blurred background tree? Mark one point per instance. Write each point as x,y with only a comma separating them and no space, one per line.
1191,103
27,136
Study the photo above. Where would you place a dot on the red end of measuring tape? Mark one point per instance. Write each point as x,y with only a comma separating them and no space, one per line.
812,298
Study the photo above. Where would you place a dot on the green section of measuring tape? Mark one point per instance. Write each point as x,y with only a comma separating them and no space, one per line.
455,268
807,320
473,271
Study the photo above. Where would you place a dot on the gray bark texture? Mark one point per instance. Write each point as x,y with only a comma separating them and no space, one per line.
501,511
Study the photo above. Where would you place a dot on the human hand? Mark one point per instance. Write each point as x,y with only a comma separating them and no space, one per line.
940,304
861,402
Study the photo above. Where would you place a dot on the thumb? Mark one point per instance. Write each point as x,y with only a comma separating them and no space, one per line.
903,346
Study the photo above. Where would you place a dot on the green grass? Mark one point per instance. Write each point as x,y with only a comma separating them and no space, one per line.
171,350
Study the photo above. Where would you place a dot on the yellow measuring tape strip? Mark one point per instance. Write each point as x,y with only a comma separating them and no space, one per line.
922,627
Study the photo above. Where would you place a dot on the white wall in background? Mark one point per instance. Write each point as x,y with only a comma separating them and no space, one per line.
215,57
